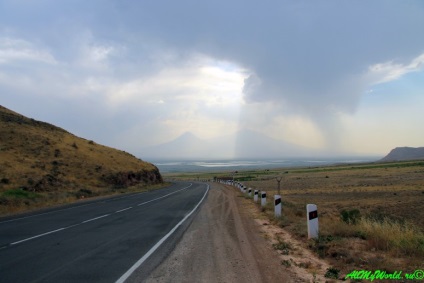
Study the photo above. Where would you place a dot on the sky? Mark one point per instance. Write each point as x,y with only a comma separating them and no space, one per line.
340,77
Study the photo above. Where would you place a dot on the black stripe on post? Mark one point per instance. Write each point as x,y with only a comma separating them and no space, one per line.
313,214
277,201
256,193
263,195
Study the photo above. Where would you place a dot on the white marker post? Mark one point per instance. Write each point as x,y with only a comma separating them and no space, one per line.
312,220
255,196
250,192
277,205
263,198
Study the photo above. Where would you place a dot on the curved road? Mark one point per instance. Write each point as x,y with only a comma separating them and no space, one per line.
101,241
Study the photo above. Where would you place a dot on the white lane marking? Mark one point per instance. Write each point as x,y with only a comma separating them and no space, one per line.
69,208
57,230
89,220
143,203
95,218
25,217
123,209
157,245
37,236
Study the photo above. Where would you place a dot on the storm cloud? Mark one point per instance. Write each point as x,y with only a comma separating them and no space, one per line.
147,71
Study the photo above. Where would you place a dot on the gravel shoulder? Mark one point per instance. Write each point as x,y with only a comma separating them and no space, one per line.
222,244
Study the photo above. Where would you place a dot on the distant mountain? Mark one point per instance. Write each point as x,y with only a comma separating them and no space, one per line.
185,146
238,145
250,144
405,153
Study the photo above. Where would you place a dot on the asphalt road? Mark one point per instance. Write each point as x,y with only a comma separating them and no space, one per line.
102,241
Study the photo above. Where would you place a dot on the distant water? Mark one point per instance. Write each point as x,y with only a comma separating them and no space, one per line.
173,166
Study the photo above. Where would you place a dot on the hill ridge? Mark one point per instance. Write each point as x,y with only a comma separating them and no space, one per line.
40,161
404,153
7,115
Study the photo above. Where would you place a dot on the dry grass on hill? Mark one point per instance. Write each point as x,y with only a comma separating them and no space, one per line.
41,163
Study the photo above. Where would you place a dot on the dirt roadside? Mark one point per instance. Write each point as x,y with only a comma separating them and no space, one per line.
223,244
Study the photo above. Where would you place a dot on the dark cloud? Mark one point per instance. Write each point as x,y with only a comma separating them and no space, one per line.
299,50
307,58
305,54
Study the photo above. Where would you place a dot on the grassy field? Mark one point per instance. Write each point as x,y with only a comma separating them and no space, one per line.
371,215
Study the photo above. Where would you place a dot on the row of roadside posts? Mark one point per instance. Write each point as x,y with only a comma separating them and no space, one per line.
311,209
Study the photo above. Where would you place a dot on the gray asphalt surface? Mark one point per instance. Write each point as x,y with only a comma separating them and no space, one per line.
93,242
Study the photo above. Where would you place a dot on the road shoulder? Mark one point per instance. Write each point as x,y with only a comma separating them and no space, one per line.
222,244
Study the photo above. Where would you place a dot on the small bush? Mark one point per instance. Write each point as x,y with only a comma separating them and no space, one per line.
350,216
4,181
286,263
282,246
332,273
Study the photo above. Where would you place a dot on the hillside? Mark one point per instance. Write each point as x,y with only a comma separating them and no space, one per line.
41,162
405,153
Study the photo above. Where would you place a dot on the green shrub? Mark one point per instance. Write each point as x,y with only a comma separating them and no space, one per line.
286,263
19,194
350,216
281,245
332,273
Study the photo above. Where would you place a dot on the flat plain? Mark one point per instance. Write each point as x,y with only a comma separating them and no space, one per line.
371,215
393,190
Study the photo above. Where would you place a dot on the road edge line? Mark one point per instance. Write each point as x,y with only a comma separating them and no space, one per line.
130,271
